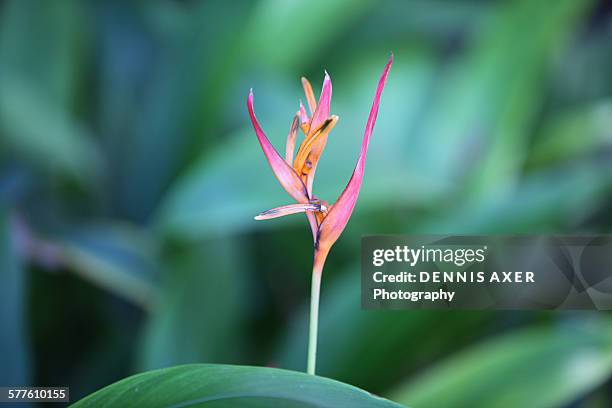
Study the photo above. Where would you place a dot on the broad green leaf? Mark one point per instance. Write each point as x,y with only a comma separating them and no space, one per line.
538,367
207,385
14,341
198,315
119,258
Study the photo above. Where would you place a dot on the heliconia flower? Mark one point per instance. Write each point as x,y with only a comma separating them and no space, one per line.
296,176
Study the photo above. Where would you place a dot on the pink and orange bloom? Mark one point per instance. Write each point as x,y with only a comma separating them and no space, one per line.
296,176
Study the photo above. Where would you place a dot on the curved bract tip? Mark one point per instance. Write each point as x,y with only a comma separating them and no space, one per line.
323,107
339,214
285,174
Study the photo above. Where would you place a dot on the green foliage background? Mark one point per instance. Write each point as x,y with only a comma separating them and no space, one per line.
129,176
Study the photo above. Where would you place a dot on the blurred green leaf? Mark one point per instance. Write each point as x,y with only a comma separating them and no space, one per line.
14,358
47,51
198,313
166,101
546,201
544,28
38,85
573,134
118,257
139,108
230,386
309,28
535,367
581,74
486,102
34,127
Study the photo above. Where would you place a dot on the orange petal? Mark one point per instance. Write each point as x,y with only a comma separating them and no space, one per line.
290,148
308,143
310,98
288,210
313,158
338,215
285,174
310,152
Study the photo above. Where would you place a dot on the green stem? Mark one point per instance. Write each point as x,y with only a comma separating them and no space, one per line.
317,271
